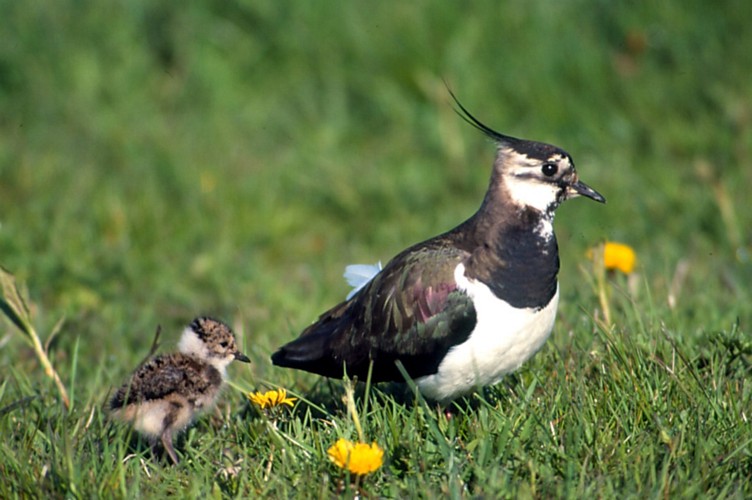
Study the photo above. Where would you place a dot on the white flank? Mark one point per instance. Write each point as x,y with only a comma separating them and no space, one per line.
150,417
358,275
504,338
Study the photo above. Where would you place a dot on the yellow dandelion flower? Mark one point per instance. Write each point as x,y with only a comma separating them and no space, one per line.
358,458
271,399
619,256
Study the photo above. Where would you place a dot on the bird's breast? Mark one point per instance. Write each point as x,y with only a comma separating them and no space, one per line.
524,267
503,339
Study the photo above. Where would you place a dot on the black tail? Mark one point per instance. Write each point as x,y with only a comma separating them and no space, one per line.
309,353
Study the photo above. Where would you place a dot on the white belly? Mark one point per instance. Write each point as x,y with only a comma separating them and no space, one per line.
504,338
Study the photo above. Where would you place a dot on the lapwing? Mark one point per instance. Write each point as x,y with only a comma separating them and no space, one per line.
464,308
166,392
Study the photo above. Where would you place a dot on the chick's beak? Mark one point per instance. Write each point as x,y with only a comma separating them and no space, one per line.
579,188
242,357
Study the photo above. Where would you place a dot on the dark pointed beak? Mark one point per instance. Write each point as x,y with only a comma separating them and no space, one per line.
242,357
579,188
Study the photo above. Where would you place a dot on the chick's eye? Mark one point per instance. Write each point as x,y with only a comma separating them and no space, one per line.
223,344
549,169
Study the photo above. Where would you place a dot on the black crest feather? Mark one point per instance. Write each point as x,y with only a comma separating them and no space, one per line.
469,118
532,149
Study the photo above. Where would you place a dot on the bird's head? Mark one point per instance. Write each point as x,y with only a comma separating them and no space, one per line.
532,174
212,341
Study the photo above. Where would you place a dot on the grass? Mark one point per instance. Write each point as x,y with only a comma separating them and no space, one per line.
160,163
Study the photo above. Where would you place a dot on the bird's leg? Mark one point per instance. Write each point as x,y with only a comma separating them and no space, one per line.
167,443
153,446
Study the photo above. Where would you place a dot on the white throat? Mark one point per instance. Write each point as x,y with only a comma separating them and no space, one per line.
527,192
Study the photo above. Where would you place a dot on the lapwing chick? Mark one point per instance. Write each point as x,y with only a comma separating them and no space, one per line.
167,391
464,308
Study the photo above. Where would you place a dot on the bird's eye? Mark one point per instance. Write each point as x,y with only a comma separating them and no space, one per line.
549,169
223,344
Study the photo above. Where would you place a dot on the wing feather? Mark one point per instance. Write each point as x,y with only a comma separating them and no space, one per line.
410,311
161,376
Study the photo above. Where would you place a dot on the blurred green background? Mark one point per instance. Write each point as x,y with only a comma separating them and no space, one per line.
159,160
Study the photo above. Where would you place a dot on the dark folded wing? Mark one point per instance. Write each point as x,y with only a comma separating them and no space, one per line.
411,311
161,376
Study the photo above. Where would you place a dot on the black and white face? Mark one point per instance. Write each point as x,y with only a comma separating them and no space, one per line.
542,176
535,182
